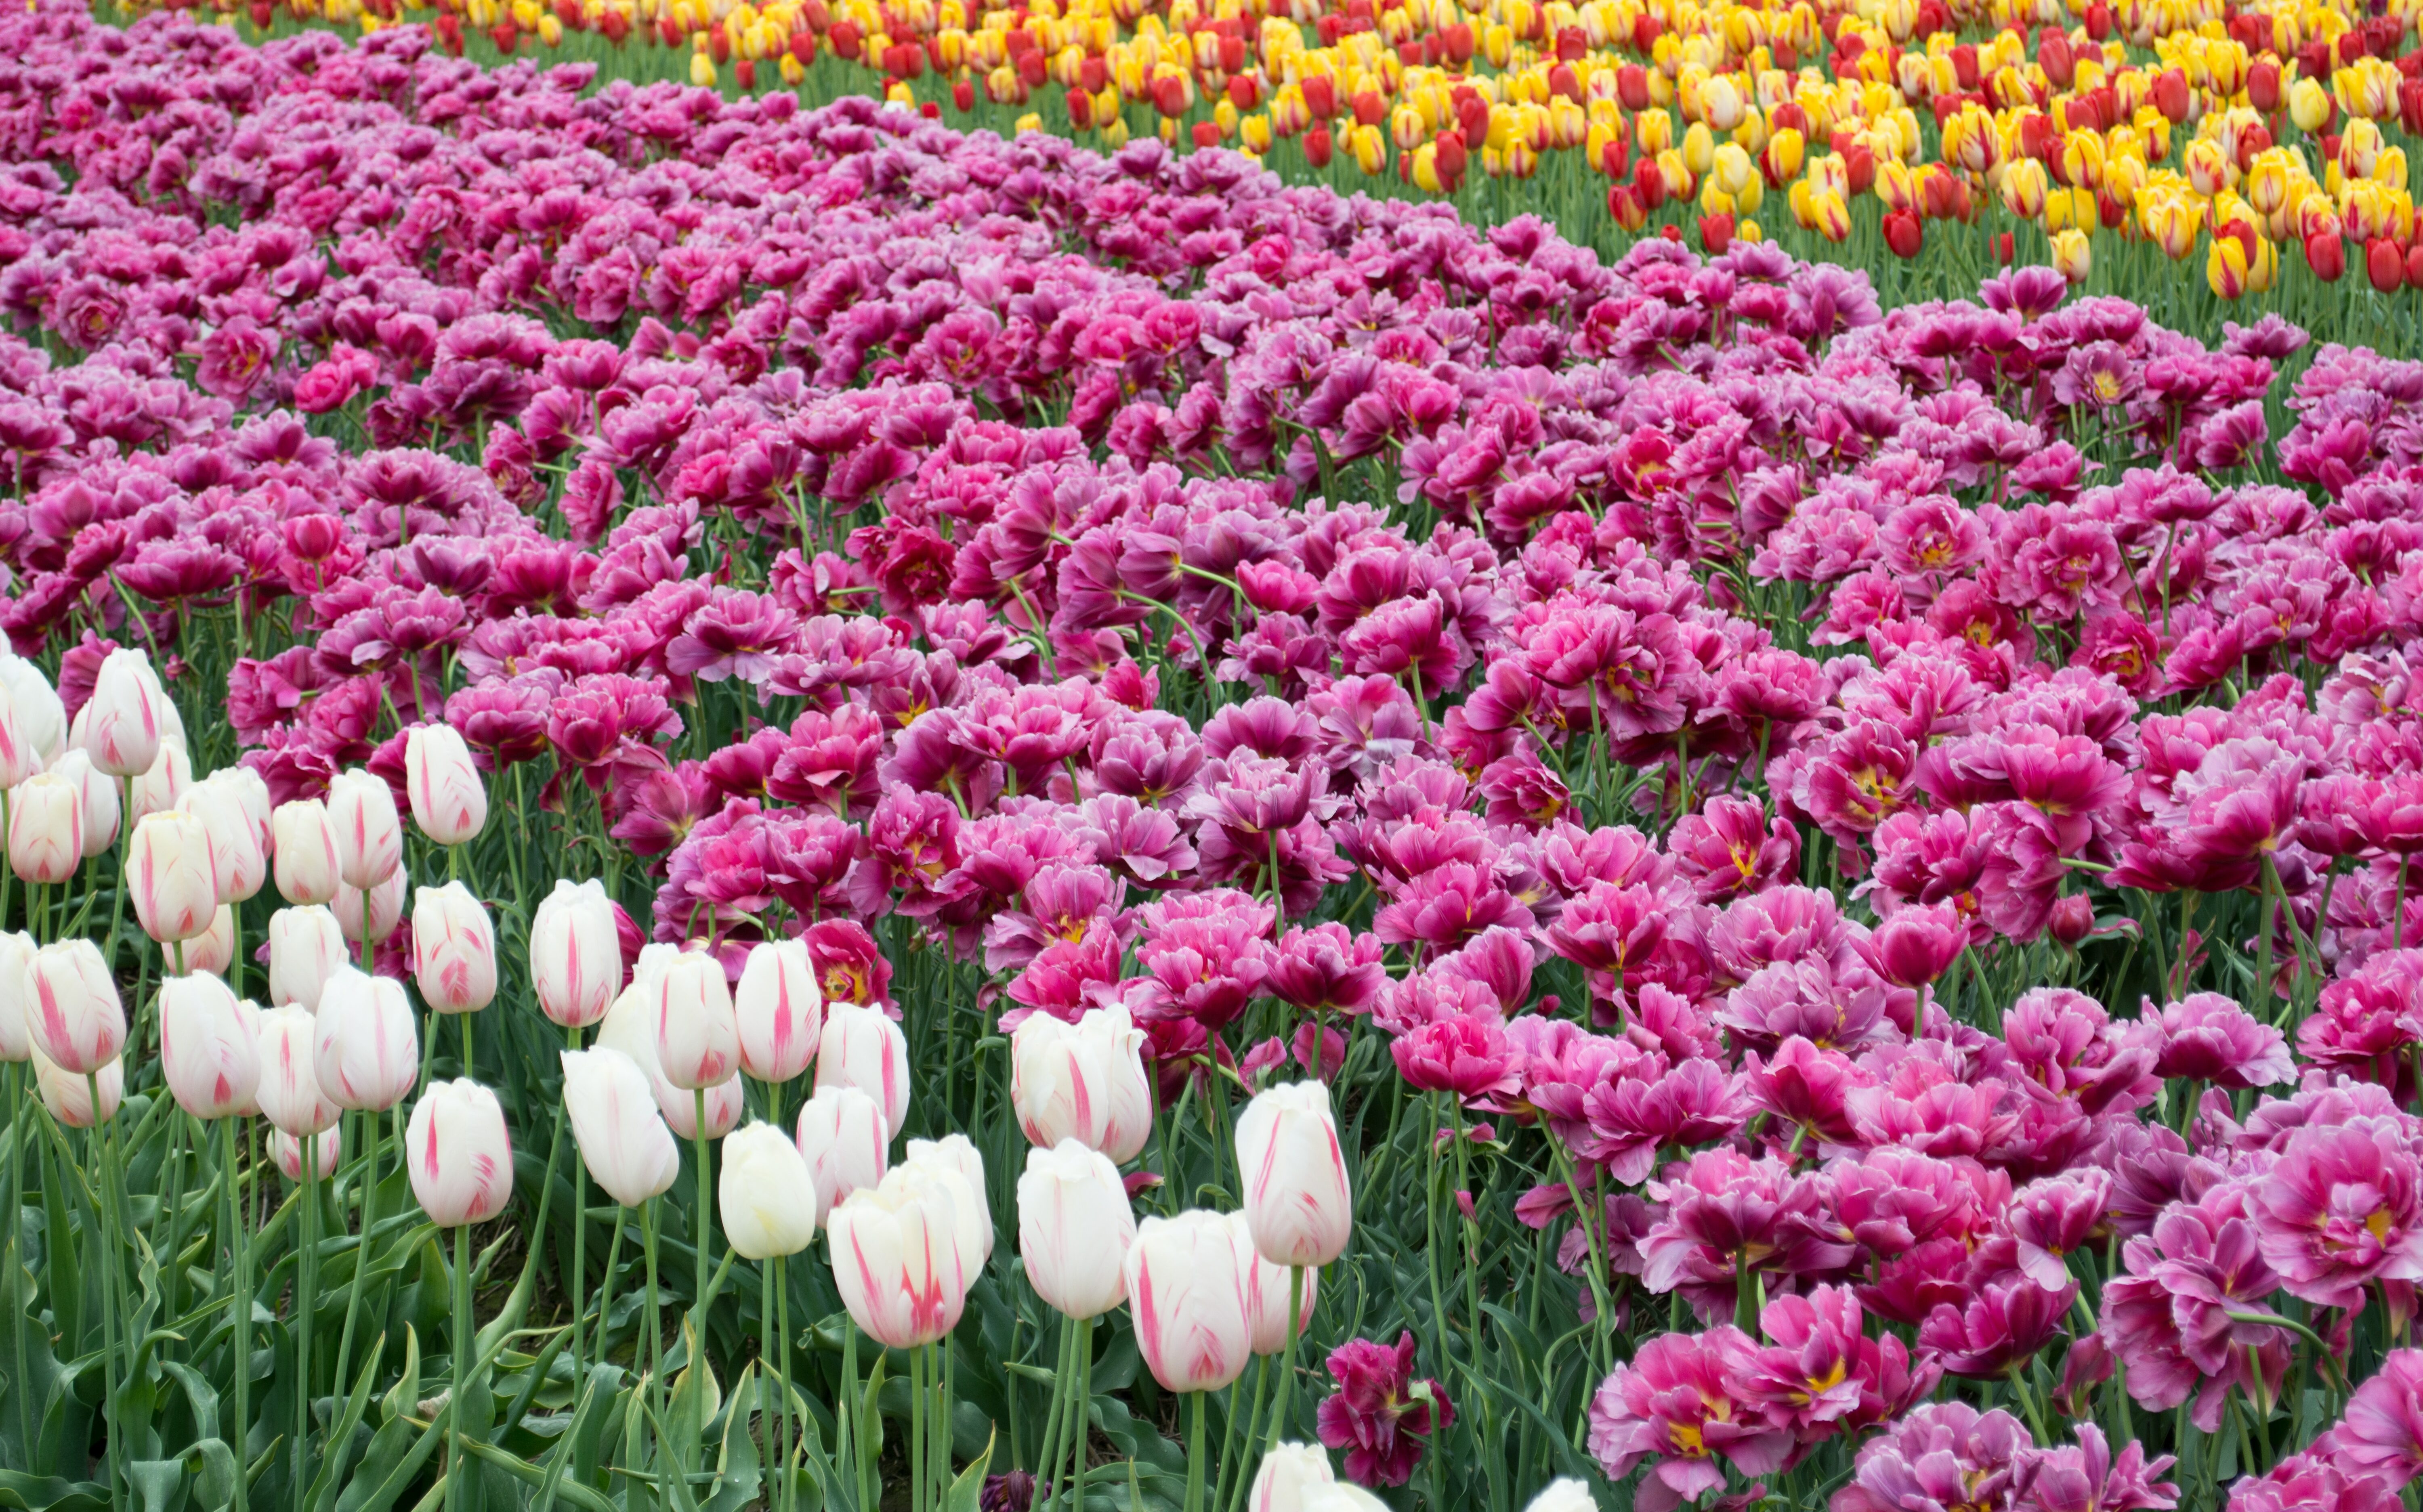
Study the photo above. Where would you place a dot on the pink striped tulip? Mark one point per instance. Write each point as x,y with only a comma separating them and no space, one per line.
460,1159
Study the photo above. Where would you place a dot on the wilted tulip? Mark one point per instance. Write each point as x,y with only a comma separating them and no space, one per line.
843,1137
208,1053
1298,1198
303,852
459,1155
698,1038
238,866
623,1138
73,1015
305,948
1084,1082
454,950
163,786
1074,1228
366,1053
1287,1473
168,871
369,836
449,801
956,1154
69,1094
45,829
100,800
17,950
371,914
576,957
864,1049
1188,1295
328,1153
897,1259
289,1090
768,1201
42,718
779,1011
123,722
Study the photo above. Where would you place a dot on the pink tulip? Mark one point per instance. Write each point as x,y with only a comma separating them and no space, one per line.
208,1053
459,1155
1298,1200
779,1010
75,1019
1187,1292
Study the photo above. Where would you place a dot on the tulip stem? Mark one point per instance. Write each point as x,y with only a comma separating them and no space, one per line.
20,1106
782,1327
656,1317
307,1277
1226,1490
700,1239
917,1429
1286,1362
239,1309
112,1297
579,1223
464,1348
361,1250
1082,1416
1194,1458
467,1047
1055,1424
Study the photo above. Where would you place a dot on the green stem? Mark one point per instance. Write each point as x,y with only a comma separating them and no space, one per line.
239,1309
20,1108
1055,1423
703,1235
464,1347
1194,1458
361,1250
306,1278
579,1228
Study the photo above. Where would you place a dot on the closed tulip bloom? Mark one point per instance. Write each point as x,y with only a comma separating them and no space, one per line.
165,785
449,801
305,948
1266,1292
328,1153
371,914
19,760
369,836
780,1010
630,1026
861,1048
725,1102
767,1199
956,1154
454,950
17,951
459,1156
42,718
1084,1082
1563,1495
208,1054
698,1038
303,852
623,1138
73,1015
575,955
45,829
168,871
1287,1472
122,720
289,1090
848,1145
251,792
1340,1496
100,800
1074,1228
238,864
69,1096
210,951
1187,1293
1297,1196
366,1053
897,1261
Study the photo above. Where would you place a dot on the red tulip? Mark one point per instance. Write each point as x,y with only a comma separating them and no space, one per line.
1904,232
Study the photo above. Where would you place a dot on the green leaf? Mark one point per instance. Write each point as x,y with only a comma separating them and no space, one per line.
160,1483
50,1493
964,1492
211,1464
737,1466
403,1398
340,1442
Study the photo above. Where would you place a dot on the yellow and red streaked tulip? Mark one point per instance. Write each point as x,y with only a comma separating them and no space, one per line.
2073,258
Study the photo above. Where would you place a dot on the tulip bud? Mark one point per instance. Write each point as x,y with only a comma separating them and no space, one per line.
846,1143
238,864
17,950
861,1048
1287,1472
454,950
328,1153
574,955
371,914
448,802
369,837
165,785
42,718
958,1153
306,949
1074,1229
123,723
366,1053
1188,1295
303,852
168,871
208,1054
767,1198
45,829
698,1036
897,1259
623,1138
74,1017
779,1010
1085,1082
100,800
1297,1199
1267,1288
290,1085
459,1155
69,1096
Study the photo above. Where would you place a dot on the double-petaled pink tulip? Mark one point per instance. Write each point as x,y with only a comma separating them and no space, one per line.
290,1091
45,829
1074,1229
209,1054
1084,1082
898,1257
73,1015
305,948
1299,1201
369,835
454,950
575,954
449,801
303,852
1187,1292
623,1138
459,1155
843,1136
779,1011
168,871
366,1053
123,721
864,1049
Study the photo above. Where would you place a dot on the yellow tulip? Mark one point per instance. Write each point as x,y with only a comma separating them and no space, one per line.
1371,150
1750,231
2309,107
2208,170
701,71
1699,150
2073,258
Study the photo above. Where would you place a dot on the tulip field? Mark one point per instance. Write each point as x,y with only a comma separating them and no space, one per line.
1210,755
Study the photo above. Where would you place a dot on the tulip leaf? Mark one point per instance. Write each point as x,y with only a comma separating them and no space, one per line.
968,1489
50,1493
529,1474
737,1466
160,1483
341,1439
211,1464
403,1397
